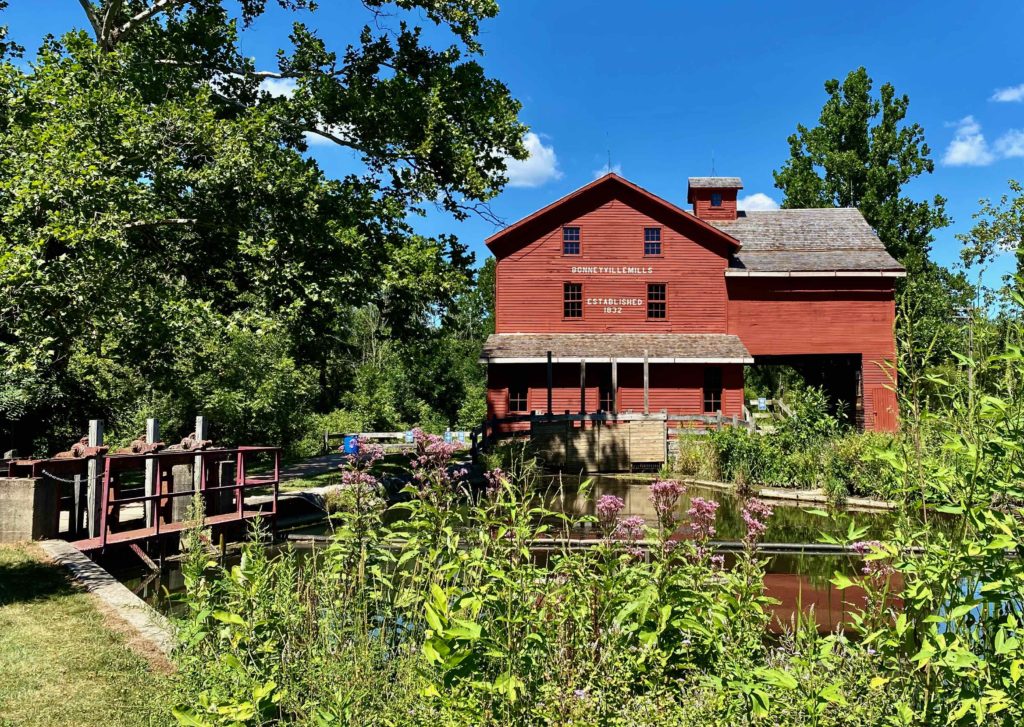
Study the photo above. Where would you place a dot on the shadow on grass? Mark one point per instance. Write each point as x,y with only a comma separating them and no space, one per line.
24,579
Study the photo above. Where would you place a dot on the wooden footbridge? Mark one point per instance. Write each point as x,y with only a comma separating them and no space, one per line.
143,494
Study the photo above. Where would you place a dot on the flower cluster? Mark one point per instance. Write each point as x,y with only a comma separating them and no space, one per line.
608,509
631,530
431,458
357,480
495,481
873,568
366,454
755,514
702,518
665,496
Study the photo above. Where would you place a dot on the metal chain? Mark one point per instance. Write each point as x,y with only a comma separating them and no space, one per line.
82,478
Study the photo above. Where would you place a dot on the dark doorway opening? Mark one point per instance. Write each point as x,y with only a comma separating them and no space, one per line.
838,375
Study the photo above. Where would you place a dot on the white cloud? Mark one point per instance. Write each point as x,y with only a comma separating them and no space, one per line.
757,202
1011,144
537,169
605,169
1009,94
968,148
278,86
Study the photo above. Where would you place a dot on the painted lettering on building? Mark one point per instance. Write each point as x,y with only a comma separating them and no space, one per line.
611,270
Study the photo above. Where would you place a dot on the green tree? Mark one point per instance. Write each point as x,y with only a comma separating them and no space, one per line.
861,154
156,198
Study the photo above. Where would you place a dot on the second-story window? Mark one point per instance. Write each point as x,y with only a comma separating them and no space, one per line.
652,241
570,241
716,199
656,301
572,300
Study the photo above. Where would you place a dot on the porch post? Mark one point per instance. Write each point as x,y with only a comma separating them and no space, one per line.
92,487
550,381
615,386
152,436
583,386
647,403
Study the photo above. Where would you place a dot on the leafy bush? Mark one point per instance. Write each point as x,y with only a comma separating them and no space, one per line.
339,421
697,457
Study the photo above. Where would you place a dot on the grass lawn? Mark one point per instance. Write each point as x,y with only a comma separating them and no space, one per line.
62,661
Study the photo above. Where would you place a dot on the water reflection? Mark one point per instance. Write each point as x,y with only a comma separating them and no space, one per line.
798,579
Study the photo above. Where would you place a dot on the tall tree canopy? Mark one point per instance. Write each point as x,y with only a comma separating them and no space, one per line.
161,223
861,154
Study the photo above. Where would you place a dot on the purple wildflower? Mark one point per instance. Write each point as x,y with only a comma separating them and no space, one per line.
631,530
430,460
495,480
665,495
702,518
755,514
608,509
873,568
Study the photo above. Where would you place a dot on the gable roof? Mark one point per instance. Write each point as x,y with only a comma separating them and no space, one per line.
807,240
608,181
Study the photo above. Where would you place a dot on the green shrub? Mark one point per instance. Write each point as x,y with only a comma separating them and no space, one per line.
697,457
339,421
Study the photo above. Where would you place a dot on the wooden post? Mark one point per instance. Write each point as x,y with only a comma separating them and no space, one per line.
583,386
550,383
647,405
152,435
197,468
95,466
615,386
76,524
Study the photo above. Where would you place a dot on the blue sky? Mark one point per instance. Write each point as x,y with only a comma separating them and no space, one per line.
665,87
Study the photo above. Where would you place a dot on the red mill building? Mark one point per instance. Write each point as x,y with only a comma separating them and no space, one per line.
611,282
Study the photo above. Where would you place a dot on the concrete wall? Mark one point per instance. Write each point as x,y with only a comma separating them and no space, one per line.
28,509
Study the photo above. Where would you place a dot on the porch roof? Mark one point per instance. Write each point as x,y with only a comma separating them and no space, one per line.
693,348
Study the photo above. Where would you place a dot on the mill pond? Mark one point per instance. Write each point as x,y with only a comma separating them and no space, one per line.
798,572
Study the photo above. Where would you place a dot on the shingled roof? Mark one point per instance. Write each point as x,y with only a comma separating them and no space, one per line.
715,183
807,240
624,347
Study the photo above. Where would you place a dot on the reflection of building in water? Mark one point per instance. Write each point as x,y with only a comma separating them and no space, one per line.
612,299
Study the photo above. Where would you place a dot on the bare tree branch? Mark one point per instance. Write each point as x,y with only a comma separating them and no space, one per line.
112,10
90,13
159,6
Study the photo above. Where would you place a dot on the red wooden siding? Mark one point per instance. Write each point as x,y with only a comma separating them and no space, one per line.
702,204
772,316
794,316
529,281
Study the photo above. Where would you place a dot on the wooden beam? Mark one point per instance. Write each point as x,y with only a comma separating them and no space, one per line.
93,500
583,386
647,385
550,384
615,386
152,435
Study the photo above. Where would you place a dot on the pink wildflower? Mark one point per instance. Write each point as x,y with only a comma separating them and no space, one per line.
755,514
430,459
702,518
665,495
495,480
873,568
631,530
608,509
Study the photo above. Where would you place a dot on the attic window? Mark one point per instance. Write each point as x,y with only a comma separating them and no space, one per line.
652,241
716,199
570,241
